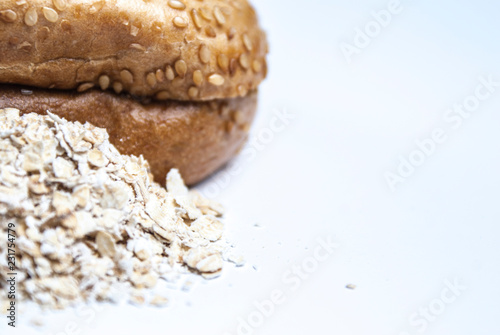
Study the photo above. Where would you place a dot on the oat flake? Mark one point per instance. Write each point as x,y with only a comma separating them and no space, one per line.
90,223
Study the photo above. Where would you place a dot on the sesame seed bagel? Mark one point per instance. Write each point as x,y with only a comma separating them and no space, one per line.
166,49
195,137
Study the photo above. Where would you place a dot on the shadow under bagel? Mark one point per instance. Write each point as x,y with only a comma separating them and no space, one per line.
195,137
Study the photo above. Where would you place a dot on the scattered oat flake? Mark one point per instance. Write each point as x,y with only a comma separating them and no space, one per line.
159,301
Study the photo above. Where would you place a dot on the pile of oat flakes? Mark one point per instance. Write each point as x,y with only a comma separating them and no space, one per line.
91,224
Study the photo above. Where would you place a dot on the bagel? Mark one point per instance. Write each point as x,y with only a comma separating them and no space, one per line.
172,80
166,49
194,137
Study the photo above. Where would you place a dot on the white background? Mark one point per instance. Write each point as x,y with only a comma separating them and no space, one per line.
323,176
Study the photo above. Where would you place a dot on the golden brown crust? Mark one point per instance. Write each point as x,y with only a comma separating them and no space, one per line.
195,137
169,49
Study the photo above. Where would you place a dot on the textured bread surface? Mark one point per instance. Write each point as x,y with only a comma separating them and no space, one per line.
165,49
195,137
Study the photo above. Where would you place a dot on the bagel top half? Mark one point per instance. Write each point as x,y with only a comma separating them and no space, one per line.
165,49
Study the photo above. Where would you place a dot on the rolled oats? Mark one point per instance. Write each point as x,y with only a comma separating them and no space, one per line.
91,223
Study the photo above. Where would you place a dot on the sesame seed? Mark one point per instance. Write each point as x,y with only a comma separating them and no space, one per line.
162,95
26,92
126,77
210,31
242,90
246,127
257,66
216,79
231,33
206,14
14,40
97,6
160,76
196,18
104,82
223,62
60,4
84,87
8,16
169,73
232,66
198,77
193,92
237,5
204,54
247,42
244,61
158,26
177,82
134,30
24,46
176,4
224,111
151,79
31,17
219,16
179,22
50,14
118,87
124,19
44,33
137,46
238,117
65,25
229,126
181,68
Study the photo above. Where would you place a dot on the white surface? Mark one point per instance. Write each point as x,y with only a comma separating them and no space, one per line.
323,175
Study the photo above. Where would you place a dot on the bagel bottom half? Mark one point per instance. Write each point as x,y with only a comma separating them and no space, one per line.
195,137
